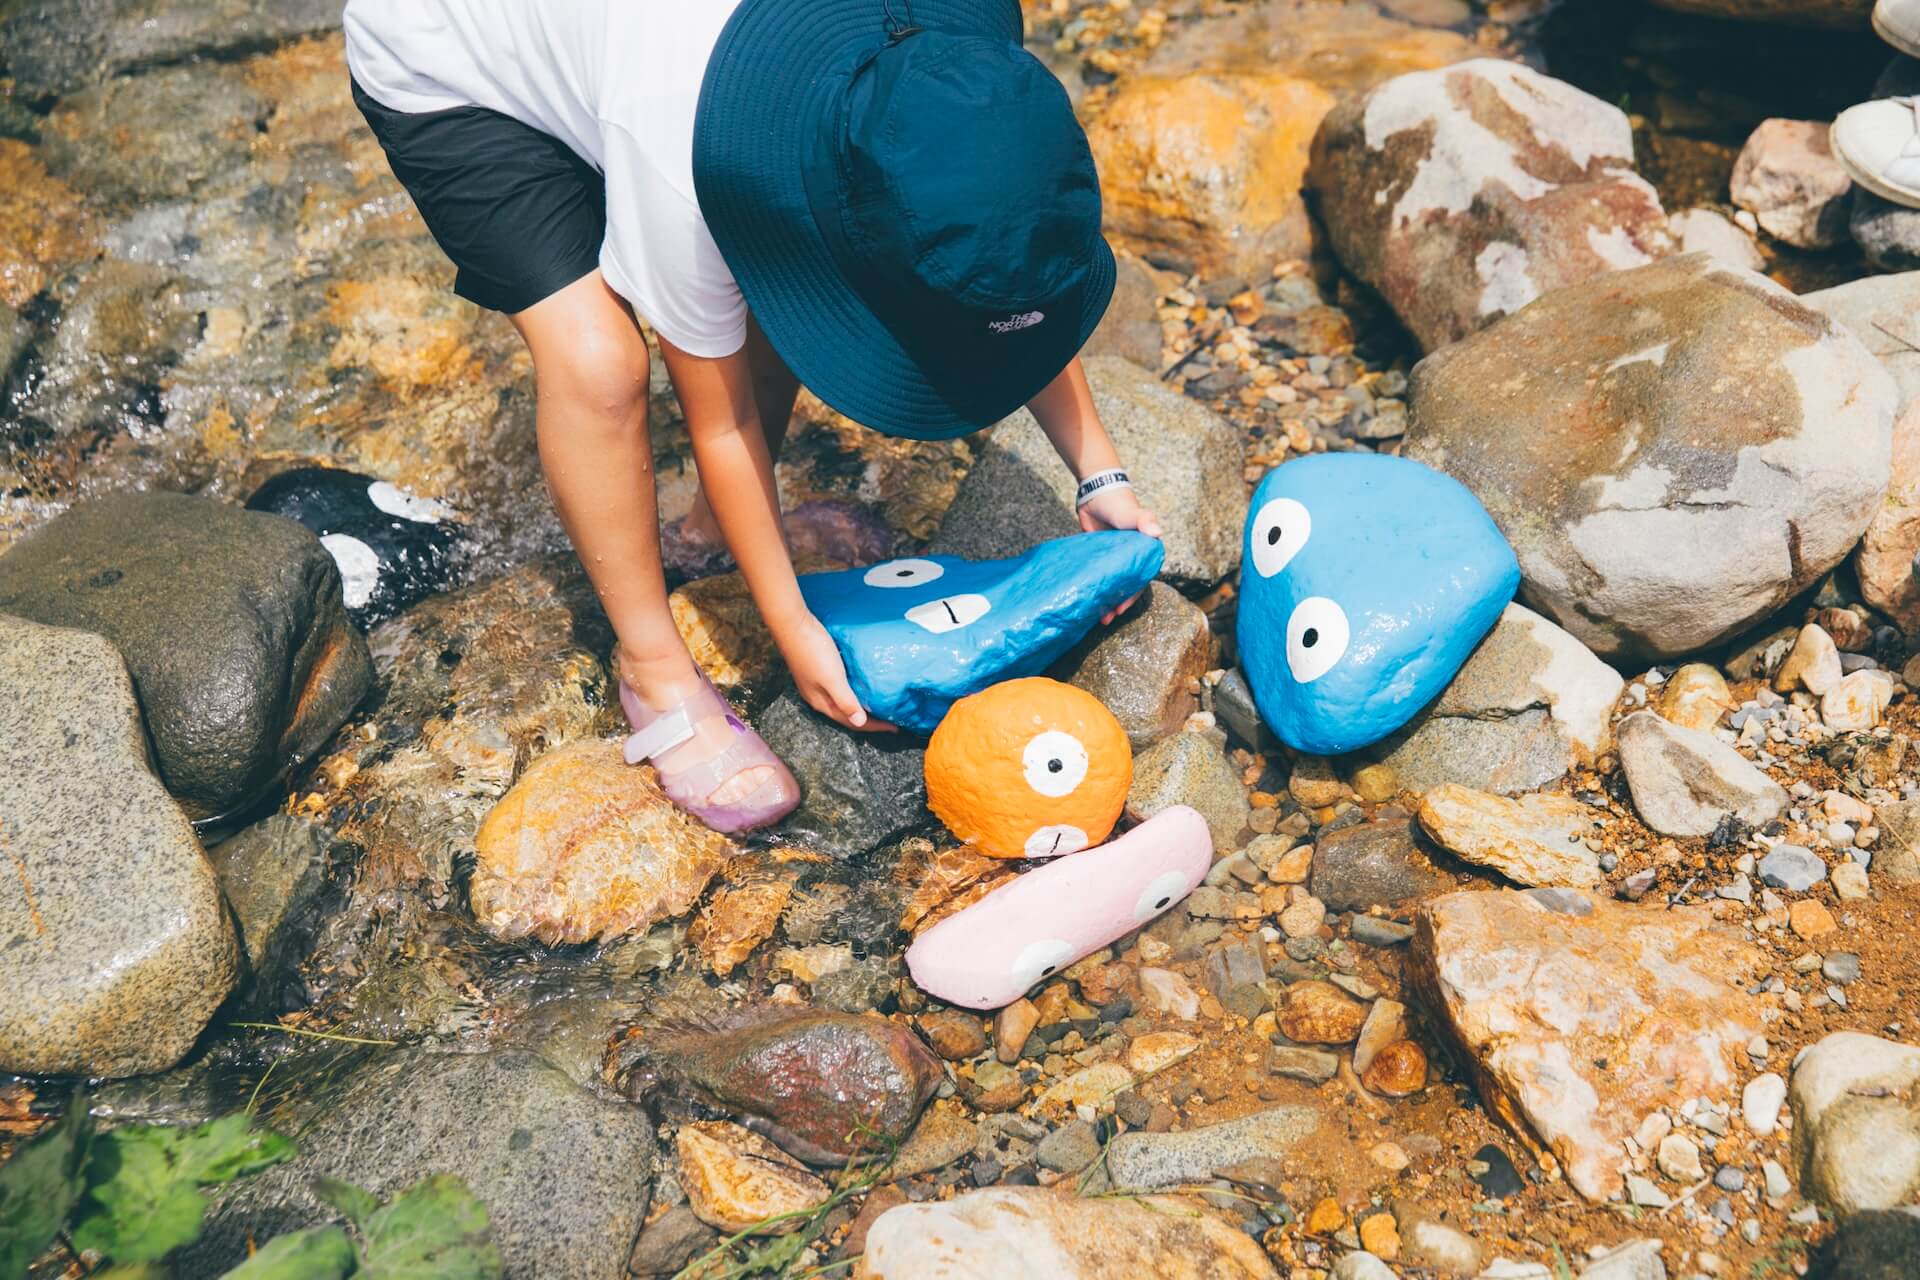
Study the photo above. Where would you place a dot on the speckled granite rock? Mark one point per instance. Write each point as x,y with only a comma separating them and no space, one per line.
1145,666
565,1176
231,624
1191,769
55,46
858,790
94,979
1150,1160
274,876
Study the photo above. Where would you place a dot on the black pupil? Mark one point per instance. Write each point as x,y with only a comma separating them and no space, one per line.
1044,972
903,573
1310,639
1054,766
1273,536
1163,902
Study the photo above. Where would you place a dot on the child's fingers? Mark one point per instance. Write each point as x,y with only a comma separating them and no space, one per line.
1148,524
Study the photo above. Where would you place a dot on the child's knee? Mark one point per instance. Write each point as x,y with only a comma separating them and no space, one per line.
604,373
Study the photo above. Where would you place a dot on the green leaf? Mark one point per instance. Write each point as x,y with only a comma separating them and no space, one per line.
228,1148
318,1253
350,1200
40,1186
436,1230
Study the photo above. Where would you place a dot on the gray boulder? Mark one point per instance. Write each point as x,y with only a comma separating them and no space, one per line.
56,46
114,945
1145,667
274,877
859,790
1185,460
1856,1122
1192,769
1147,1161
1673,452
565,1176
230,621
1373,864
1684,781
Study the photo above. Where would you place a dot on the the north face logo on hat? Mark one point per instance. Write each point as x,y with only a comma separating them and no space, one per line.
1013,324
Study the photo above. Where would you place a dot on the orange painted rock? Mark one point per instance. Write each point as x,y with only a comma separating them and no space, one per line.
1029,769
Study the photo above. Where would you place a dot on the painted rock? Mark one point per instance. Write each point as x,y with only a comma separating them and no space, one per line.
988,955
393,549
1367,582
1029,769
917,635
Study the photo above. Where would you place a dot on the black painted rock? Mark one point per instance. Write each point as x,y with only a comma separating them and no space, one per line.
392,548
231,624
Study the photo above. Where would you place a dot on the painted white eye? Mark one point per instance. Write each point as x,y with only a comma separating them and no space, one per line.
1316,638
1056,841
949,613
903,573
396,501
1041,959
1161,892
359,567
1054,762
1279,531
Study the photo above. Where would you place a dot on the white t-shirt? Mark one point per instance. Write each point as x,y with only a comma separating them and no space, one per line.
618,82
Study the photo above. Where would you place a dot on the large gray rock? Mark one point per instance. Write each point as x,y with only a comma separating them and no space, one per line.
1875,1245
1463,194
230,621
565,1176
1145,667
1856,1122
56,46
1192,769
1673,452
859,790
274,877
1530,704
1884,313
1185,460
211,124
114,945
1684,781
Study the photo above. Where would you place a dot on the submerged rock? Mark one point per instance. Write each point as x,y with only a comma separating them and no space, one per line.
274,877
231,624
51,46
858,790
826,1086
737,1181
114,944
1577,1026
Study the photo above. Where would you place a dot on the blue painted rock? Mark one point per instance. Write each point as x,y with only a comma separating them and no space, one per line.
393,549
917,635
1367,582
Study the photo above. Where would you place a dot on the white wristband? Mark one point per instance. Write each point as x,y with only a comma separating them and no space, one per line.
1098,483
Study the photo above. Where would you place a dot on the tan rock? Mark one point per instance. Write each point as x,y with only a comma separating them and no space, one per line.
954,1035
1293,866
1810,920
44,227
1812,664
1315,784
810,964
1304,914
1320,1013
1858,702
1696,696
736,1180
1788,178
1537,840
586,846
1326,1217
1158,1050
1380,1237
1095,1086
1399,1070
1386,1022
722,627
1576,1027
1884,562
1375,783
1011,1027
737,919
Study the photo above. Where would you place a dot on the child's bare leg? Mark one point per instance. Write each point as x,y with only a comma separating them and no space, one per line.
590,372
774,391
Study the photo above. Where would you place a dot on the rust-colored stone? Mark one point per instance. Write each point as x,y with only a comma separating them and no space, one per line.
1320,1013
1398,1070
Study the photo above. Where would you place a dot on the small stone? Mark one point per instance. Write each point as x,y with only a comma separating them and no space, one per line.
1011,1027
1842,967
1304,917
1399,1070
1728,1178
1642,1192
1361,1265
1095,1086
1380,1236
1376,932
1166,992
736,1180
1375,783
1850,882
1386,1022
1434,1244
1812,664
1535,840
1390,1156
1696,697
1320,1013
1326,1217
1070,1148
1499,1179
1810,920
1788,178
673,1240
1314,1066
1858,702
1679,1158
1315,784
1792,867
1779,1186
1760,1103
955,1036
1158,1050
1233,965
1684,782
1150,1160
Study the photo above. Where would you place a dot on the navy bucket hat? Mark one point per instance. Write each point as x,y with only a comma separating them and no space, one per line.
907,202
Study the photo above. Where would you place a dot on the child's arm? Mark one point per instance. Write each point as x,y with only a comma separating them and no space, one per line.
1064,410
736,473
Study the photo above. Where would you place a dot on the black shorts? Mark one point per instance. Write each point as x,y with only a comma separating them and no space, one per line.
519,212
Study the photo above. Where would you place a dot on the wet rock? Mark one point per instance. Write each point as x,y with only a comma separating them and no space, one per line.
736,1180
1771,487
954,1035
1788,179
53,47
1131,327
860,790
1320,1013
1711,232
1684,783
1000,1231
1883,311
1191,769
1856,1122
726,636
585,847
1576,1027
231,625
825,1086
95,980
669,1242
274,877
1530,704
739,917
565,1176
1372,864
1875,1245
43,228
1146,667
1535,840
1462,194
860,987
1186,462
1145,1161
153,137
1884,562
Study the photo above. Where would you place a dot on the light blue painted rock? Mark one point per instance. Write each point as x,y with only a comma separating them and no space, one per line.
917,635
1367,582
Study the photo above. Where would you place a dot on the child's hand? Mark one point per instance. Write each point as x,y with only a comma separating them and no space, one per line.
1117,508
821,677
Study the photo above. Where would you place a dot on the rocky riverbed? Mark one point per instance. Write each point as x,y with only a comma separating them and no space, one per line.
1600,967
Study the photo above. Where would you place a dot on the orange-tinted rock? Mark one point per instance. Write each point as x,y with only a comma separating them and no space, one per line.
738,918
737,1181
954,1035
1398,1070
1885,559
1320,1013
1809,919
1577,1026
43,228
587,846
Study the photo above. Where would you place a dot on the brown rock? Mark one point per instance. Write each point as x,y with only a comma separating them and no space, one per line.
954,1035
43,226
1158,1050
738,1181
1105,983
738,918
587,846
1809,919
1397,1071
878,1201
1885,559
1537,840
1011,1027
1577,1027
1696,696
1326,1217
1788,179
1386,1022
1320,1013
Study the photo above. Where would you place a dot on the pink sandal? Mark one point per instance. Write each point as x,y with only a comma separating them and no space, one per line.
659,736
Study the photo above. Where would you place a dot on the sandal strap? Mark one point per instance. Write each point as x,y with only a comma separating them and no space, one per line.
693,783
664,734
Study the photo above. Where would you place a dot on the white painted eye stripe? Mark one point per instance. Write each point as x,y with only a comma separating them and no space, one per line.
1056,841
1161,892
903,573
359,568
396,501
1278,532
949,613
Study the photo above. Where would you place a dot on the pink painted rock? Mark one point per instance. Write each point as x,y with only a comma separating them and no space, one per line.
1788,179
1463,194
1578,1026
989,954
